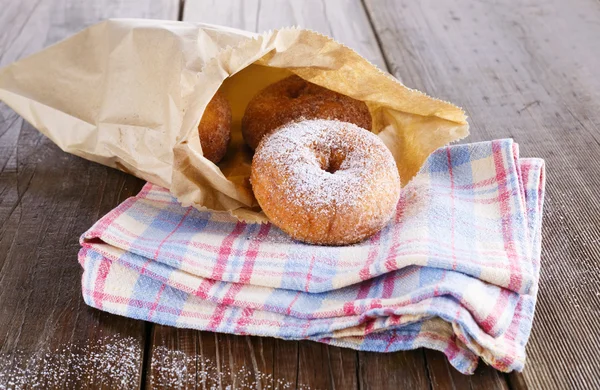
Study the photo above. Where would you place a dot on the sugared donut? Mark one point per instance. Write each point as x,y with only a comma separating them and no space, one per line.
215,128
294,98
325,182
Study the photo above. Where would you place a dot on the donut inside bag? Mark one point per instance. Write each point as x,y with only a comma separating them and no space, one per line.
215,128
294,98
317,172
409,123
131,93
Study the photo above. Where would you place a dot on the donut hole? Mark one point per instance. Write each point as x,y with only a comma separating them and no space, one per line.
332,161
333,167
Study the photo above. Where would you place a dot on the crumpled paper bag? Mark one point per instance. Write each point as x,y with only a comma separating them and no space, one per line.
129,93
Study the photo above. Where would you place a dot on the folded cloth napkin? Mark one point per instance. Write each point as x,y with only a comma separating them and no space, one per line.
456,270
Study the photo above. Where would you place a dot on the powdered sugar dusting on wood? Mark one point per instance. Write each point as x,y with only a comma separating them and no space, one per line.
114,362
176,369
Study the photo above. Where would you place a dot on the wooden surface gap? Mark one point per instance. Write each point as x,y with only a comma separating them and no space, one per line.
377,39
146,355
297,363
181,10
47,200
357,373
427,369
527,72
257,19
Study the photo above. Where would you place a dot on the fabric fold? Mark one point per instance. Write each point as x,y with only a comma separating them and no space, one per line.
456,270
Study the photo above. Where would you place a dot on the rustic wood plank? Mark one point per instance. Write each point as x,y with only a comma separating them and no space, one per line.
345,20
185,358
174,359
527,71
444,377
304,364
323,366
286,363
48,336
398,370
515,380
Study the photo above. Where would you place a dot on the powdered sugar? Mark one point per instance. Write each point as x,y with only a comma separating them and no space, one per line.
114,362
327,162
333,173
175,369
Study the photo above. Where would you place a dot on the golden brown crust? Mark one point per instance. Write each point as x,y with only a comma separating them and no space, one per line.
294,98
215,128
325,182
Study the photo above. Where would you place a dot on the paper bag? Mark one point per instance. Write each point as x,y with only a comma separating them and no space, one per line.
130,93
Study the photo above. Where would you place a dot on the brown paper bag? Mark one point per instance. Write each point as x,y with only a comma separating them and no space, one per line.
130,93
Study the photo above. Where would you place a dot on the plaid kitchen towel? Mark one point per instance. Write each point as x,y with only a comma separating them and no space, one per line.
456,270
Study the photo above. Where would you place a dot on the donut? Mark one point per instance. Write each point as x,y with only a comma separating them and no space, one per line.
294,98
325,182
215,128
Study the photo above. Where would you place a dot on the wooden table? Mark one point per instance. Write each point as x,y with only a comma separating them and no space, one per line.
527,70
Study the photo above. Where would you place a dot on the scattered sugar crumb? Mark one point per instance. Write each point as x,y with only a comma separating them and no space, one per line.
113,362
178,370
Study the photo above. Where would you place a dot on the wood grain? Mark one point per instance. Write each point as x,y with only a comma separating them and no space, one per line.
398,370
443,376
527,71
345,20
186,358
47,199
295,364
321,366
